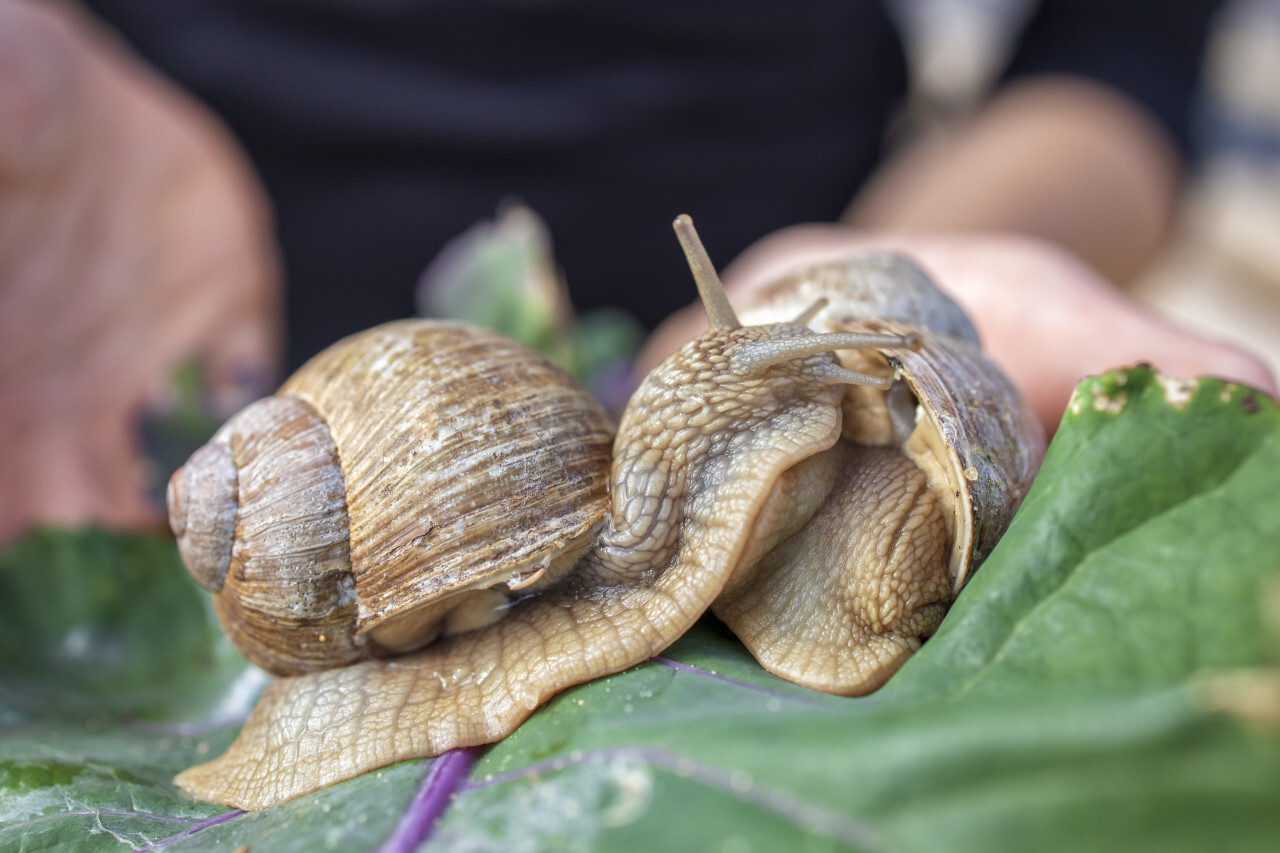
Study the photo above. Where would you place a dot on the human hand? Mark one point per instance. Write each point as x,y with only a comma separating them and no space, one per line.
1046,319
133,238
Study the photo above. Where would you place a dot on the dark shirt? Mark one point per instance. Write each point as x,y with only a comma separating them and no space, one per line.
381,128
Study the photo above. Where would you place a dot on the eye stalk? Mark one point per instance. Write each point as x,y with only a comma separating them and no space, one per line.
757,356
720,313
760,355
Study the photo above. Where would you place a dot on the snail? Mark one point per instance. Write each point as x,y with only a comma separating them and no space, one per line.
952,447
727,455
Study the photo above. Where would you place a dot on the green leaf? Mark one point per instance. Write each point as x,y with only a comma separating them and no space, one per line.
1139,557
501,274
107,626
1146,771
1072,699
113,677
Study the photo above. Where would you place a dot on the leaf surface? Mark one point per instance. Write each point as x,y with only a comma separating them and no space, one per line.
1072,699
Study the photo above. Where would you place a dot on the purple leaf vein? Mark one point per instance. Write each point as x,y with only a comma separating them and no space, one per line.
447,777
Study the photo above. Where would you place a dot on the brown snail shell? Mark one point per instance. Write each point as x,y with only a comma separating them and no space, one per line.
369,506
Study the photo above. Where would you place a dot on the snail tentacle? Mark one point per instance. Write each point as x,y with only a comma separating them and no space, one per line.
837,375
763,354
720,313
806,316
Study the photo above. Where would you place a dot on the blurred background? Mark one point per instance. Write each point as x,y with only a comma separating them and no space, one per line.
1220,272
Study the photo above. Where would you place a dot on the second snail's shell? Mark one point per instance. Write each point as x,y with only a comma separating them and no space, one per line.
955,414
405,477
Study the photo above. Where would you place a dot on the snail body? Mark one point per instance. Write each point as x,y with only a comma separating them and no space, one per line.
727,455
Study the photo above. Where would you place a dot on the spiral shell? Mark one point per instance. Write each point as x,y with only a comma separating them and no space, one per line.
400,485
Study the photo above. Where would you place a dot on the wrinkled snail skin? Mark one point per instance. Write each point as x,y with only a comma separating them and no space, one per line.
930,474
699,486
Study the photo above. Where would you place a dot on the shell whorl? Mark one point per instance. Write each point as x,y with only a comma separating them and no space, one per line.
202,498
288,600
470,461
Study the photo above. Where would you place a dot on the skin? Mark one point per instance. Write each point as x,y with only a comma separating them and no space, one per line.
845,625
135,238
1063,160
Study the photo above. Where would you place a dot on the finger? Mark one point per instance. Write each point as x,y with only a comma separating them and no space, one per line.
73,472
1049,321
219,300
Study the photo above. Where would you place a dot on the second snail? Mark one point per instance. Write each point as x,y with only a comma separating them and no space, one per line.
427,533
